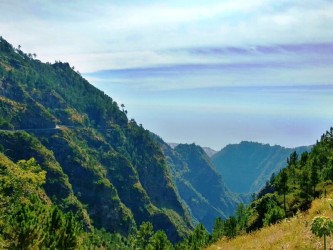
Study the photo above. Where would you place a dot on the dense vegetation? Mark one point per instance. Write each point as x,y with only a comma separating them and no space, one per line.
99,165
102,180
29,220
199,184
203,176
256,161
290,233
292,190
75,173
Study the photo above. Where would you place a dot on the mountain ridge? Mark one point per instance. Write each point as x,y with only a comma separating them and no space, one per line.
102,160
257,162
208,150
199,184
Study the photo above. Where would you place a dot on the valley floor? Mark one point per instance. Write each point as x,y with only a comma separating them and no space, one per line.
293,233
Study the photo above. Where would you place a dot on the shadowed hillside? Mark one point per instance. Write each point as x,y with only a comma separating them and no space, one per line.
247,166
199,184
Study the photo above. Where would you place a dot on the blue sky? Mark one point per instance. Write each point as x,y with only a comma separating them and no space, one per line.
210,72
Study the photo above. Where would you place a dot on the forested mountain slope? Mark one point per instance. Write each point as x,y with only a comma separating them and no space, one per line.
199,184
96,160
293,190
203,176
255,161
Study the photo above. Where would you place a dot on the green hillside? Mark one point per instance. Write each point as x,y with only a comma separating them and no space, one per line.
199,184
256,161
28,220
203,176
291,192
75,173
97,162
293,233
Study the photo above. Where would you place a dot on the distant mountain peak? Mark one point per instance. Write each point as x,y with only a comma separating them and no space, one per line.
209,151
256,161
199,184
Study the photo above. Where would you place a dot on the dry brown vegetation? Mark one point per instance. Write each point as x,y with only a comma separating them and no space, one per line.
293,233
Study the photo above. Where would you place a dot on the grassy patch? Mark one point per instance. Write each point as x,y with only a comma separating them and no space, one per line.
293,233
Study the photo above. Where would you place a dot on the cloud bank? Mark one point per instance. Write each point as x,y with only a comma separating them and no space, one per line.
123,34
209,71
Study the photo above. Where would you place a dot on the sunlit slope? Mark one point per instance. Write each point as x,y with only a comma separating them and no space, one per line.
94,156
293,233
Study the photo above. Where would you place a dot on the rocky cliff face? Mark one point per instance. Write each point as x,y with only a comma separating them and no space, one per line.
97,161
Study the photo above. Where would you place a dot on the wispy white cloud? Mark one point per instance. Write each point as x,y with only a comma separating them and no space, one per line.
274,65
132,33
182,55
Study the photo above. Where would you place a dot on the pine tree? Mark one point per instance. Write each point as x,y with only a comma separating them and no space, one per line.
230,227
283,187
314,179
218,229
159,241
143,235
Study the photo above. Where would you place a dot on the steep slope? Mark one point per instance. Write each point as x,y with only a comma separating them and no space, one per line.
29,220
289,202
209,151
205,178
294,189
198,183
94,156
294,233
256,161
